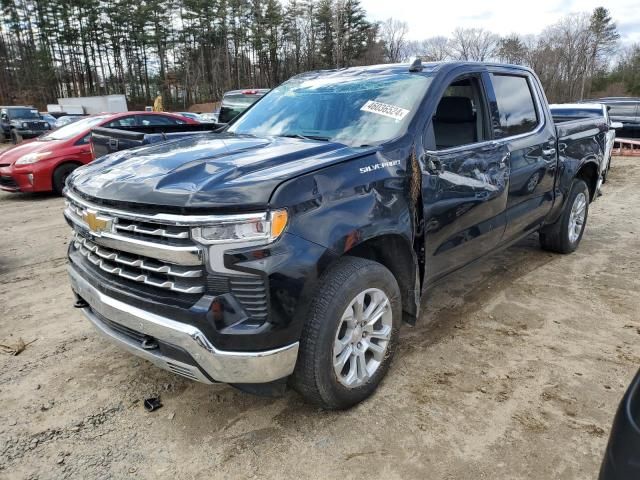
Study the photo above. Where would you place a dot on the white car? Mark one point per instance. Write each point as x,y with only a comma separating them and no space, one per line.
566,112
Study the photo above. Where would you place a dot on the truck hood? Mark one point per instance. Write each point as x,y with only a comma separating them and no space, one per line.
207,171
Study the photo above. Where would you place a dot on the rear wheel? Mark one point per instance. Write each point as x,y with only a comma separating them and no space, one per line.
564,236
350,336
60,176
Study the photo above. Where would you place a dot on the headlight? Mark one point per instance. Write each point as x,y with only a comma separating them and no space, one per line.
257,227
25,125
32,158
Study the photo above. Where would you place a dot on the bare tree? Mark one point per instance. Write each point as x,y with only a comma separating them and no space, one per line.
434,49
393,33
474,44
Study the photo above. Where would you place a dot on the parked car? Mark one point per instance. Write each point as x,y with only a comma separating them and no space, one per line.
67,119
211,117
622,456
50,119
194,116
288,248
625,110
42,165
17,123
570,112
237,101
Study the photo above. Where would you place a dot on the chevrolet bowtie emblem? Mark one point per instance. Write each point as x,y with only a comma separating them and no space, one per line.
95,222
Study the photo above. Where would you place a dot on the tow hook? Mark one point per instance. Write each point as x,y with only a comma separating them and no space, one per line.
80,303
149,343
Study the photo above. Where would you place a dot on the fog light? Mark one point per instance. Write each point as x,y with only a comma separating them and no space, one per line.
30,178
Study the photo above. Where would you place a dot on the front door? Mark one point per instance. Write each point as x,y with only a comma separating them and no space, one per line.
464,179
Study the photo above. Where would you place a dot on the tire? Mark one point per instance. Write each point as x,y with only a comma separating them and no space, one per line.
316,377
16,138
60,175
564,236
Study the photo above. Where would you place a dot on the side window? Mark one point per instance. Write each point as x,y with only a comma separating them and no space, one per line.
461,117
516,104
122,122
158,120
623,110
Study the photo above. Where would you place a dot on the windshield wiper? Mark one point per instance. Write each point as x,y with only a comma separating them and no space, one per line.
305,137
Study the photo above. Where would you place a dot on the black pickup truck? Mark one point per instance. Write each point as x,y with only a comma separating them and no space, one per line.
289,248
110,140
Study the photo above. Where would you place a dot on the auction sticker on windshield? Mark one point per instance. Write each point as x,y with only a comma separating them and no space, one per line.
391,111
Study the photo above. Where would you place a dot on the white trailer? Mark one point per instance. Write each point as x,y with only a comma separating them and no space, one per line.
90,105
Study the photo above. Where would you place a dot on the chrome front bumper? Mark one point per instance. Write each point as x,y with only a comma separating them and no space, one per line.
221,366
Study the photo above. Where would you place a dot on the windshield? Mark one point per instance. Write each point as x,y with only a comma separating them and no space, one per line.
73,129
19,113
355,109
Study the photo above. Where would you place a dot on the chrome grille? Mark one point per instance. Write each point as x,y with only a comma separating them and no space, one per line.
140,269
152,251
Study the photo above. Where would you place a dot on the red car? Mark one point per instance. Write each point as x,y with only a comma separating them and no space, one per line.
43,164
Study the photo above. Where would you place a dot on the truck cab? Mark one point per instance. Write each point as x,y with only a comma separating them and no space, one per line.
288,248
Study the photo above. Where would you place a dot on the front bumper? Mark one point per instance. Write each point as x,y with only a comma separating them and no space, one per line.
203,361
29,133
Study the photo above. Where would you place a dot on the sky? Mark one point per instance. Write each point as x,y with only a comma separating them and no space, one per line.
427,19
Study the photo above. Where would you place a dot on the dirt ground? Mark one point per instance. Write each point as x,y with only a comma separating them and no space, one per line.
514,372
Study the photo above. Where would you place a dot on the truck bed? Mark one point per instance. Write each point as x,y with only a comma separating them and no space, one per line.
109,140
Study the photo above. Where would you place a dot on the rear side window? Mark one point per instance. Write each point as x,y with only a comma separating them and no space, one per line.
516,105
623,110
122,122
148,120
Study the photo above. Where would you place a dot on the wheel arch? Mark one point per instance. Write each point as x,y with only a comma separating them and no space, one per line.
589,173
397,254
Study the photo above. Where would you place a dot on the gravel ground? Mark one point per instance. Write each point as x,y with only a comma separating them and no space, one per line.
514,371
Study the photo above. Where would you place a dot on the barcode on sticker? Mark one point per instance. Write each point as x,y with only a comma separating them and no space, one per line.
391,111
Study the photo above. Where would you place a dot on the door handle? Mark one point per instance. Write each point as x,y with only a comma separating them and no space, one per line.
549,152
434,165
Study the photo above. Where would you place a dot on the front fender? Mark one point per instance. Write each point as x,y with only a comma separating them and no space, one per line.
346,204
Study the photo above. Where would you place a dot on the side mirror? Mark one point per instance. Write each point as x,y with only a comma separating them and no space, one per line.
616,125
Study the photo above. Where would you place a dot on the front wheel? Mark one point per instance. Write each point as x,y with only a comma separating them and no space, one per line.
60,176
16,138
350,335
565,234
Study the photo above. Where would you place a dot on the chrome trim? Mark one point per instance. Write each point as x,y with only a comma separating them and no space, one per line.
137,277
158,232
153,356
220,365
187,255
113,256
166,218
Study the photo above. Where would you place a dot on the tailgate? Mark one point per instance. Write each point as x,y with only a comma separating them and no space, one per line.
109,140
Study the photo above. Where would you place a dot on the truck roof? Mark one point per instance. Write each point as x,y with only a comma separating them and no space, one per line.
427,67
17,106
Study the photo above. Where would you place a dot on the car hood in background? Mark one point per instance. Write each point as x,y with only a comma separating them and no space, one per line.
207,171
9,157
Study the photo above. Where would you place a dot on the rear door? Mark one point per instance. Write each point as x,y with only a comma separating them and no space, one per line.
529,136
464,176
